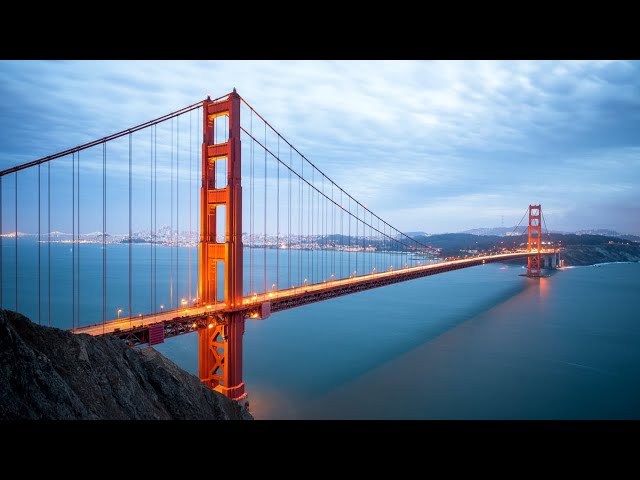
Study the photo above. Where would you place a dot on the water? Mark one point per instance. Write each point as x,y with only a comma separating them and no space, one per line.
165,285
481,342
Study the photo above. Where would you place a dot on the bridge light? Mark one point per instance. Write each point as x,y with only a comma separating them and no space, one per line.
183,302
161,308
210,325
194,325
119,312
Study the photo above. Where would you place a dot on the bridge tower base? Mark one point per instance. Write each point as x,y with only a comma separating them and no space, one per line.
220,356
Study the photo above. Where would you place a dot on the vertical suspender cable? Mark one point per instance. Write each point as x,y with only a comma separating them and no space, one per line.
289,219
264,261
130,224
311,217
171,228
333,232
310,232
177,209
277,282
321,203
16,224
155,217
325,219
190,197
78,238
309,222
323,255
73,238
104,233
151,220
357,243
378,247
349,256
49,241
364,253
251,194
39,241
341,236
300,210
369,244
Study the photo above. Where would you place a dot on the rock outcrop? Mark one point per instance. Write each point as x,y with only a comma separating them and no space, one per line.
48,373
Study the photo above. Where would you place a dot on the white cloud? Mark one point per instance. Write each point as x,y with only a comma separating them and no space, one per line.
445,134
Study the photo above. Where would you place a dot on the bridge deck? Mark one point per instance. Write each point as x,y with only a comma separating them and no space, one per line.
188,319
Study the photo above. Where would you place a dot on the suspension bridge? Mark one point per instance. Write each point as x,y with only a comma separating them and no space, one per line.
286,237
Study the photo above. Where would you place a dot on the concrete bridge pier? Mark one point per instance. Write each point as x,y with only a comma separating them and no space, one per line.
550,261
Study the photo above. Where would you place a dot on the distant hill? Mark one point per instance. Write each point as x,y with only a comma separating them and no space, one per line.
522,229
498,231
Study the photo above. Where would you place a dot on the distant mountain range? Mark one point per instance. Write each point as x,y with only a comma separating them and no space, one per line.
508,231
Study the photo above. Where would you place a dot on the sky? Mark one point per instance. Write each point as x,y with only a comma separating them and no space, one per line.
433,146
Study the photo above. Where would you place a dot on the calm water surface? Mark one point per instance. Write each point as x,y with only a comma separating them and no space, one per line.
482,342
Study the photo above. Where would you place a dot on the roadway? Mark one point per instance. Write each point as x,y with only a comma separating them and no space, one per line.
303,294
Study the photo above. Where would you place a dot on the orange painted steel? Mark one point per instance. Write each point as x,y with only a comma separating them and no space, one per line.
220,344
534,239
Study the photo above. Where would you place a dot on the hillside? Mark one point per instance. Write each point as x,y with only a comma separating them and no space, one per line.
48,373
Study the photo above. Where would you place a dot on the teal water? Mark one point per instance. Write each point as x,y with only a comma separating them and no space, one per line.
565,347
481,342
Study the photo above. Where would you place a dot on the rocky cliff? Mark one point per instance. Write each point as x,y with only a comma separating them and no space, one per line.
47,373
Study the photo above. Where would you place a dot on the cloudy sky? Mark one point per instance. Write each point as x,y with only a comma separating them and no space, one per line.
434,146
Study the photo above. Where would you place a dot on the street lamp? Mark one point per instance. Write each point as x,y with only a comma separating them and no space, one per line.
183,302
161,308
119,312
305,282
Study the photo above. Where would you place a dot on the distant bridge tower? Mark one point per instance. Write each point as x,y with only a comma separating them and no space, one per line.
220,345
534,242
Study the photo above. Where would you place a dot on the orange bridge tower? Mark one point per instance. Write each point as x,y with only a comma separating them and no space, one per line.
534,243
220,345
